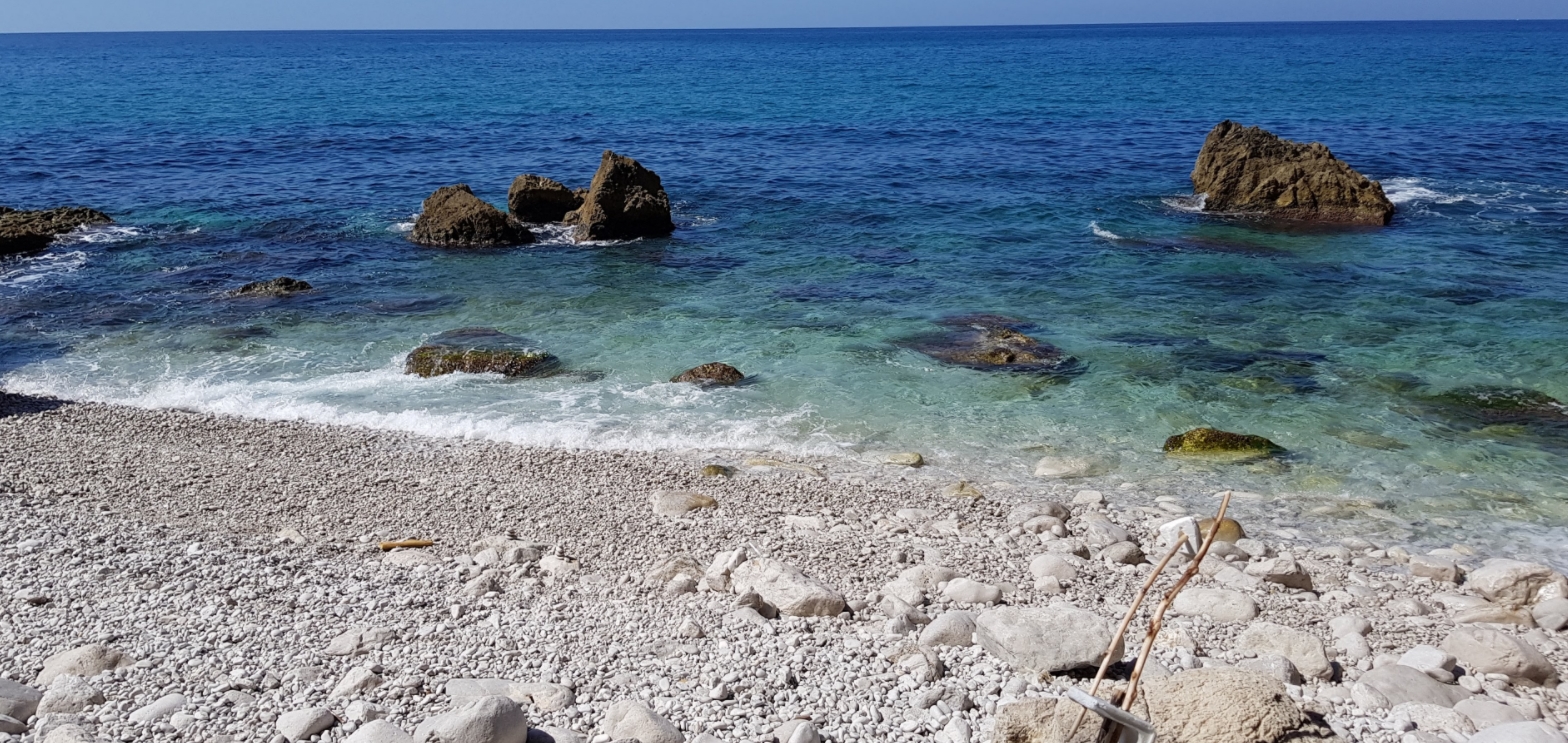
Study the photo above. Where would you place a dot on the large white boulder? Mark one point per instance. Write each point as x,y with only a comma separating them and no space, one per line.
786,587
1048,639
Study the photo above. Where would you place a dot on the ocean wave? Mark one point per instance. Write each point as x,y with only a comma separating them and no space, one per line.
100,235
1403,191
31,270
576,419
561,234
1103,233
407,226
1186,203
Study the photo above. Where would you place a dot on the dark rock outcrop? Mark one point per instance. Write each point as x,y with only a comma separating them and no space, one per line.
1211,443
453,217
1247,169
712,374
625,202
994,343
32,231
479,351
278,287
1500,409
534,198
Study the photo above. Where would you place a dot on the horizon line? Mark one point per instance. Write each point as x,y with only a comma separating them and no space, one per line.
567,29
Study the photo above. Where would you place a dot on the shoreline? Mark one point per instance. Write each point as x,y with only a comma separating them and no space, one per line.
157,532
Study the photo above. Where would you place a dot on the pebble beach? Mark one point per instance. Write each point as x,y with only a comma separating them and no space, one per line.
174,576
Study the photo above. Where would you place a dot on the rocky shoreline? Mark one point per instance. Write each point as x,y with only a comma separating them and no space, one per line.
181,576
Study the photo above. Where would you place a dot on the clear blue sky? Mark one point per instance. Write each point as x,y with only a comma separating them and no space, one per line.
184,15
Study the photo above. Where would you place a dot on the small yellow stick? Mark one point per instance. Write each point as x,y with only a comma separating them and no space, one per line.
1121,631
389,546
1170,596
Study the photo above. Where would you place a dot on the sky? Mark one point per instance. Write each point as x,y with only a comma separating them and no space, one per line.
219,15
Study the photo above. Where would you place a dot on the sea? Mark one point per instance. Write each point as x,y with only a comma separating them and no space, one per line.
836,194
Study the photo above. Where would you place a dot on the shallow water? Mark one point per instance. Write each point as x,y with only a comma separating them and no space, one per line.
836,192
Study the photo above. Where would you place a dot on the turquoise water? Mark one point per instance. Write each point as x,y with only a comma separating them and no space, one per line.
836,192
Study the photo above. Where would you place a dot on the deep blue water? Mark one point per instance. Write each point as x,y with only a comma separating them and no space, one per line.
836,191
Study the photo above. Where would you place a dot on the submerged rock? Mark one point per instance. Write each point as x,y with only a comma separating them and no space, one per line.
710,374
453,217
1247,169
534,198
1500,406
32,231
278,287
1211,443
993,343
625,202
479,351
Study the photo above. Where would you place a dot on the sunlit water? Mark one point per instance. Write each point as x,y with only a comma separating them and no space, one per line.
836,191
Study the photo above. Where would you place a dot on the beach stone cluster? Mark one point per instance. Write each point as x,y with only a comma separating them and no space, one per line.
179,576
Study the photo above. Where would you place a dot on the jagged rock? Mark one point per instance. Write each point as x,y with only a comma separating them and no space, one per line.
712,374
1210,443
278,287
1048,639
479,351
534,198
626,201
990,343
1283,570
784,586
1247,169
32,231
66,695
453,217
670,567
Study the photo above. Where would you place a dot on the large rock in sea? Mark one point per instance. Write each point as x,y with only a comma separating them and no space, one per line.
1212,443
711,374
625,202
535,198
32,231
278,287
454,217
1247,169
993,343
479,351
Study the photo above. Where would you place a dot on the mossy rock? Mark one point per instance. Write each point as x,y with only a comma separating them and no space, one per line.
479,351
1502,405
1212,443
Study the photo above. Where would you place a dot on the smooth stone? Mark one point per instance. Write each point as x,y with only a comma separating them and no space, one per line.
1482,650
158,709
1444,569
949,629
966,591
86,661
1283,570
1495,614
1432,717
1432,661
1485,713
379,731
303,723
66,695
1515,583
360,640
20,701
1519,732
630,719
797,731
906,459
1048,639
679,502
1349,624
1394,684
1304,650
491,719
355,681
1551,614
1053,566
786,587
1218,604
1071,467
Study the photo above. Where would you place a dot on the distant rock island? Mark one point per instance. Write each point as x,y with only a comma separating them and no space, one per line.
1249,170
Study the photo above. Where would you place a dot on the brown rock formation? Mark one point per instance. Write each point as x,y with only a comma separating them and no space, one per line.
32,231
534,198
454,217
625,202
711,374
1246,169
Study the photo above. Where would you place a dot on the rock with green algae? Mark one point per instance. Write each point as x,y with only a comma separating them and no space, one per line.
1493,406
1212,443
479,351
993,343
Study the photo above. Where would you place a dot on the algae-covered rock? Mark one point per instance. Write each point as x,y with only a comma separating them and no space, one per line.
24,231
717,470
1493,406
534,198
626,201
1212,443
453,217
712,374
1247,169
278,287
993,343
479,351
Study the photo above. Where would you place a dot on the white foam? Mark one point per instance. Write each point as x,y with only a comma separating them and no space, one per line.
1407,190
1103,233
100,234
561,234
1187,203
33,269
407,226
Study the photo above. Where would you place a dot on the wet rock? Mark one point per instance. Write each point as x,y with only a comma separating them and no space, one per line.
1048,639
626,201
1302,649
1210,443
986,343
1247,169
784,586
278,287
534,198
453,217
906,459
32,231
1482,650
712,374
1499,406
479,351
717,470
1062,467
